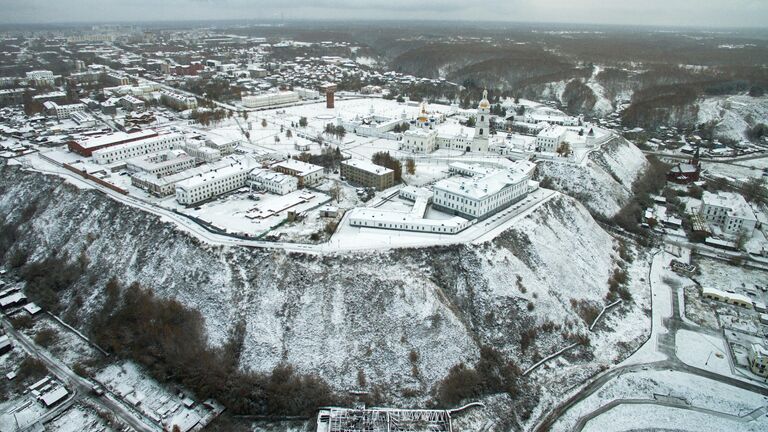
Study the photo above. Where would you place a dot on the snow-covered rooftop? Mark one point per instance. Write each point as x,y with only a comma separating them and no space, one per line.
54,396
480,187
303,168
736,204
197,180
116,138
368,166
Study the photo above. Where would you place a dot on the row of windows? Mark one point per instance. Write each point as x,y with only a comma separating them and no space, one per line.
217,187
138,150
475,208
408,227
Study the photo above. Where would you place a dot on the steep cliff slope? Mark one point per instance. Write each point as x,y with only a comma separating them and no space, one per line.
604,185
333,315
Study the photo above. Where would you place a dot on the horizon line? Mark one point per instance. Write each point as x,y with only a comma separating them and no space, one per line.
388,20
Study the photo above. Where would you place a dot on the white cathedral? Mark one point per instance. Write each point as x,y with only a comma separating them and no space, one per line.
422,139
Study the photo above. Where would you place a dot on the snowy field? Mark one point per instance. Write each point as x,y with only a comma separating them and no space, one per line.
78,419
23,413
702,351
655,417
698,310
739,170
66,345
696,391
237,213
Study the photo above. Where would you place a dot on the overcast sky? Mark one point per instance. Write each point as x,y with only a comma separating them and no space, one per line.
715,13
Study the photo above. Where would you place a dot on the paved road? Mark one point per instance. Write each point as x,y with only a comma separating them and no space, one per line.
662,340
80,386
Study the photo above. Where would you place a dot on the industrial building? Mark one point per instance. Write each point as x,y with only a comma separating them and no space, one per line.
225,146
132,103
419,141
41,78
178,101
166,186
12,97
62,111
83,119
549,139
201,152
382,420
758,359
740,300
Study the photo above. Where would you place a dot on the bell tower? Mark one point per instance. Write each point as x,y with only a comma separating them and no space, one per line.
482,124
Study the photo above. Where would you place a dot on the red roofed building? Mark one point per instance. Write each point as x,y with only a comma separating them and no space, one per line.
686,173
86,147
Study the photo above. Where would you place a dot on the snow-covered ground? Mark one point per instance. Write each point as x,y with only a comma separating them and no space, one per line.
703,351
238,213
650,417
738,170
733,114
604,184
645,384
24,413
723,276
66,345
78,419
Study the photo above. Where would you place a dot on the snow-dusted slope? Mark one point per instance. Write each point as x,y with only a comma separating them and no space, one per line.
732,115
604,185
339,314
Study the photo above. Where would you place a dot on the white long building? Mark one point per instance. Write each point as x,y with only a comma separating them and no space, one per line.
135,149
212,184
270,99
482,195
166,186
162,164
412,220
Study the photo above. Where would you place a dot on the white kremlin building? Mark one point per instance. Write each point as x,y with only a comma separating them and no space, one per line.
424,139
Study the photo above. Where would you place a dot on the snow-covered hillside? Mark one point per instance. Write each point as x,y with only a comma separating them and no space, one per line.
733,115
336,315
604,185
